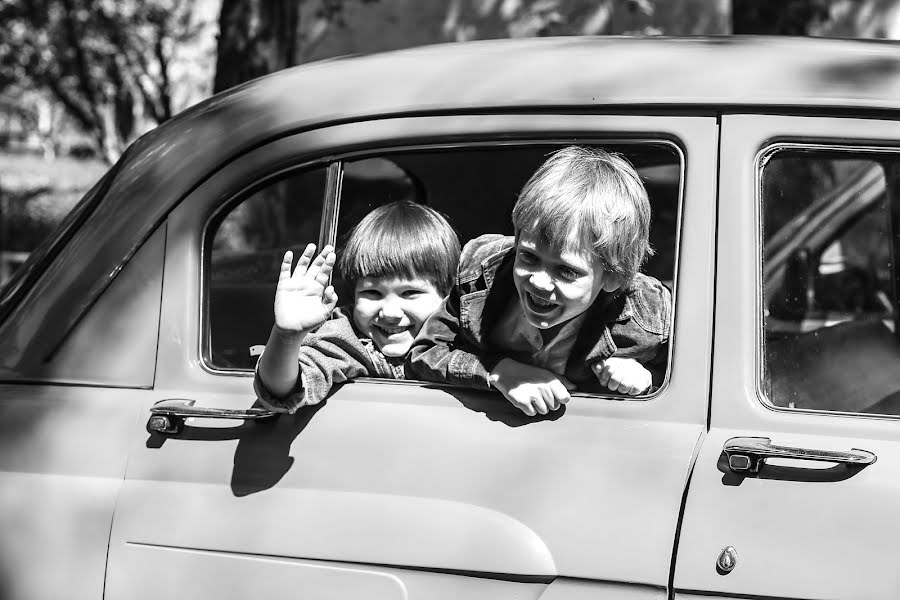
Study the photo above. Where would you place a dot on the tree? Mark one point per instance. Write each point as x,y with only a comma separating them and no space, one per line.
778,17
257,37
107,62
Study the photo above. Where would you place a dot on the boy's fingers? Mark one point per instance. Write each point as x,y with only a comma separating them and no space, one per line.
525,407
285,271
324,273
560,393
540,406
316,266
304,259
330,296
602,372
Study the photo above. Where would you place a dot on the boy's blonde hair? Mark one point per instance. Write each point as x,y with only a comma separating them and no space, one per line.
586,199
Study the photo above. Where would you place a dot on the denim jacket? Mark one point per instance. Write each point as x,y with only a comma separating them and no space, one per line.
332,354
454,344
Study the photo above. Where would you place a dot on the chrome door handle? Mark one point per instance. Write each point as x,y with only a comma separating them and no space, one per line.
745,454
167,416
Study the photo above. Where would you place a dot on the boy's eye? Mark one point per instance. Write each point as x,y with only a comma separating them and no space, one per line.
569,273
527,257
369,294
411,293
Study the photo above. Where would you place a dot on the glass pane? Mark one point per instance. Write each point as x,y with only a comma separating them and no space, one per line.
829,282
247,247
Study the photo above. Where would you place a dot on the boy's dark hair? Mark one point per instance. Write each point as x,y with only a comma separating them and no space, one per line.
402,239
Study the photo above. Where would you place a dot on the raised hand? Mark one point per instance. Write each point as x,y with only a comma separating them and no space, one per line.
303,299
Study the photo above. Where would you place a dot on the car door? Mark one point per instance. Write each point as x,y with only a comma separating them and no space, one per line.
72,378
395,489
805,366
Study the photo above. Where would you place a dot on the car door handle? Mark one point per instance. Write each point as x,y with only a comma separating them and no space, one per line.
167,416
746,453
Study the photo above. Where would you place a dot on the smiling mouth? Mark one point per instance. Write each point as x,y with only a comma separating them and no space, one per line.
389,331
539,305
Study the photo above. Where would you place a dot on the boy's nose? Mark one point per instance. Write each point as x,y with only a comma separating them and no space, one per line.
391,310
541,280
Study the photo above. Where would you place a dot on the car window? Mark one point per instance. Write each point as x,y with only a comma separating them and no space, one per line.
245,246
476,189
829,291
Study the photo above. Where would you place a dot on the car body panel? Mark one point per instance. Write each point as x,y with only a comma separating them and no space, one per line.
63,448
800,531
408,475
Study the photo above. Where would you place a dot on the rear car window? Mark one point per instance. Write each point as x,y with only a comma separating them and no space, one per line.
830,280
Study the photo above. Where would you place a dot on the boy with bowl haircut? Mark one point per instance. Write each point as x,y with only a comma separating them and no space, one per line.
560,306
400,261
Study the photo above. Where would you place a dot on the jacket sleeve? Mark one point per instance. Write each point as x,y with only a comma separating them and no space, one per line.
330,355
644,336
440,353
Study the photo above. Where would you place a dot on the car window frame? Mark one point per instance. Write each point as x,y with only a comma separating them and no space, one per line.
763,155
331,212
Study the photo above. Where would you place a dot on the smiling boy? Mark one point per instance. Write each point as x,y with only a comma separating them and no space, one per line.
560,306
400,262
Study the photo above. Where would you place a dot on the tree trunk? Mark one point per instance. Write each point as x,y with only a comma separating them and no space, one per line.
777,17
256,37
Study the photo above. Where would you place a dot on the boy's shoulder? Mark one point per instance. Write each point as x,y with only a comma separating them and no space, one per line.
649,303
482,255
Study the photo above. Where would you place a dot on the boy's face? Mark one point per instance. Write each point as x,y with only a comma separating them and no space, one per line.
392,310
553,285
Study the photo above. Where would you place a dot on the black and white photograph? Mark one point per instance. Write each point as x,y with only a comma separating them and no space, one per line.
449,299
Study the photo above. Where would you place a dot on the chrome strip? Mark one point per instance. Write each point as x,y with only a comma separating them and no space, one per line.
332,205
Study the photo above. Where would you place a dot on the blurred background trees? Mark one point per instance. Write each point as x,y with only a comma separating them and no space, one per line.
82,79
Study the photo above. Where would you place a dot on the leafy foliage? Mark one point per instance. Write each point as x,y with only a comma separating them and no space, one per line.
107,62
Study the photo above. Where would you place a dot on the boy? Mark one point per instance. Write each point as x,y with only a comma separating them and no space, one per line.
561,305
400,261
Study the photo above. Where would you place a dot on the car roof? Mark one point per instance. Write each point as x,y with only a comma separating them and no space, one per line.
568,73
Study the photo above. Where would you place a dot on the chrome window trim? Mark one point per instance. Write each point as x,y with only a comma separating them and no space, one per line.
331,203
334,179
762,158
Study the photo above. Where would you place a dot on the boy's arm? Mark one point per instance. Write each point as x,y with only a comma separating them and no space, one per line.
436,356
303,301
642,342
331,355
440,353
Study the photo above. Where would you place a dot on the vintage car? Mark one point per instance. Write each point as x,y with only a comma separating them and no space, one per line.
136,461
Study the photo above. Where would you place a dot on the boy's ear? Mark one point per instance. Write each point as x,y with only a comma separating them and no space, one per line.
612,282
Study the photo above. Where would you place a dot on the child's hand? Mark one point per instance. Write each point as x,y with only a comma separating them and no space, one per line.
302,300
623,375
531,389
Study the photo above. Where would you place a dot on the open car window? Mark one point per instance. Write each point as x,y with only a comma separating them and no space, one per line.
829,280
475,187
